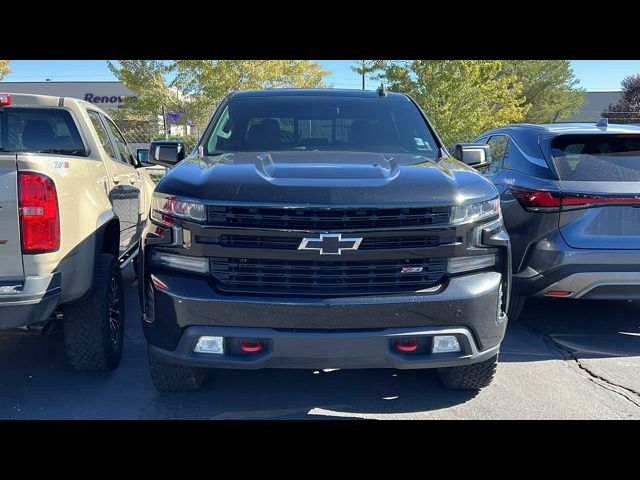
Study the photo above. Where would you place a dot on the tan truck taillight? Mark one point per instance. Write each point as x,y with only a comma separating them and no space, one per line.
39,215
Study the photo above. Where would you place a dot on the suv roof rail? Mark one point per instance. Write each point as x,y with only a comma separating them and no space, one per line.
381,91
603,123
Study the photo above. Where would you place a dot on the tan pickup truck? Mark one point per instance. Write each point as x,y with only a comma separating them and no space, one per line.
73,203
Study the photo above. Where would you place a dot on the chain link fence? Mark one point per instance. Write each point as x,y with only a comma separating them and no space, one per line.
627,118
585,116
139,134
592,116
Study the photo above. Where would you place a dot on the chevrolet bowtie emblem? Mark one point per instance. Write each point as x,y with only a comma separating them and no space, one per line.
330,244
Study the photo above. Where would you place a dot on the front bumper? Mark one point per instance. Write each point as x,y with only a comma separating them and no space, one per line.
30,301
587,274
598,286
310,332
300,349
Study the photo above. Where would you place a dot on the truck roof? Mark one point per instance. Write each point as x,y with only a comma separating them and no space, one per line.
30,99
317,92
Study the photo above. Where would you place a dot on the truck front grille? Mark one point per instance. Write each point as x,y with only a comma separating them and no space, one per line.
314,278
325,218
369,243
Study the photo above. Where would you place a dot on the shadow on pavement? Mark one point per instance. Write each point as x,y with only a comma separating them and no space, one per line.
592,329
37,383
306,394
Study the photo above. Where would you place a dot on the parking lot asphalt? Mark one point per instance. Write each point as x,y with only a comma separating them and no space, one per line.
564,360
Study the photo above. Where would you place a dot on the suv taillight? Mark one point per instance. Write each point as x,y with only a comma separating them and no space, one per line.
539,201
39,215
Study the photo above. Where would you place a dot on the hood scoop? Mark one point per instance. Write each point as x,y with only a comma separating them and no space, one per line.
328,169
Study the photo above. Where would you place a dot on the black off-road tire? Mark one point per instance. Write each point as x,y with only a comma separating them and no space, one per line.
171,377
516,304
469,377
94,325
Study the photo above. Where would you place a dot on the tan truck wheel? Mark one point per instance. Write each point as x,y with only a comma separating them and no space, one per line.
94,325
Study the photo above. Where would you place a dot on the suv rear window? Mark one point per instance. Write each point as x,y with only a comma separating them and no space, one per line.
307,123
42,130
597,158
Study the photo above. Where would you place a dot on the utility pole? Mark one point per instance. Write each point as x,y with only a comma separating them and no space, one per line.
164,122
363,74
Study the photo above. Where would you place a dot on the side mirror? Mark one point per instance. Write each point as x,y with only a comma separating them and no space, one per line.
167,152
473,154
142,154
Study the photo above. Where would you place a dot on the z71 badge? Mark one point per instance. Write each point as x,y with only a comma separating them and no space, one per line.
412,270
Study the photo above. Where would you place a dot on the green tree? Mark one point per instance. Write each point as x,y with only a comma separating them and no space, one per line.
549,86
365,68
462,98
4,68
627,108
205,82
148,79
208,81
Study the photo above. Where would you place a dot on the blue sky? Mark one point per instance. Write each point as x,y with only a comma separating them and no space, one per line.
593,74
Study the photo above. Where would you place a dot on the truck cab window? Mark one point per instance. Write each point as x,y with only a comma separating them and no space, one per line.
103,135
40,130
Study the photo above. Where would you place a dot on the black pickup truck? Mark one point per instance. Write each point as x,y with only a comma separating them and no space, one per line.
321,228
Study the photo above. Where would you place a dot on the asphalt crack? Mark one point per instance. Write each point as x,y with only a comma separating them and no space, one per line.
567,354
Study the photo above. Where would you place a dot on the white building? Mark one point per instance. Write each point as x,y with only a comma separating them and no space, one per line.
109,96
595,103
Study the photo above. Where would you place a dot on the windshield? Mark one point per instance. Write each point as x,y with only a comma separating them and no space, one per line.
41,130
597,158
312,123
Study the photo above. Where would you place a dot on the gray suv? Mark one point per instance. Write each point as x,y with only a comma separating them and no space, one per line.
570,196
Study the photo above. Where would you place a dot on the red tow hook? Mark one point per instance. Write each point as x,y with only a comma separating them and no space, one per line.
251,346
406,345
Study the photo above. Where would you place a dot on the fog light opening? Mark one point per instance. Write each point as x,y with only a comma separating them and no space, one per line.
251,346
445,344
406,345
558,293
207,344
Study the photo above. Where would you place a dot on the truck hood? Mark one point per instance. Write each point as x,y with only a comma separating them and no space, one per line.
325,178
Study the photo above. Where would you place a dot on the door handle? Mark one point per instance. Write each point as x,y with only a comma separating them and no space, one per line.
116,180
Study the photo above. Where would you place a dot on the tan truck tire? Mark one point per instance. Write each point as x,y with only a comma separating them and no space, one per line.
94,325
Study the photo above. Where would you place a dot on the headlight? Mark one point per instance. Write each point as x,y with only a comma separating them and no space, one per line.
472,212
165,208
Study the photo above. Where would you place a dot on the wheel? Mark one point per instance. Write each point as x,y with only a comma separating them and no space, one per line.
469,377
94,326
171,377
516,304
